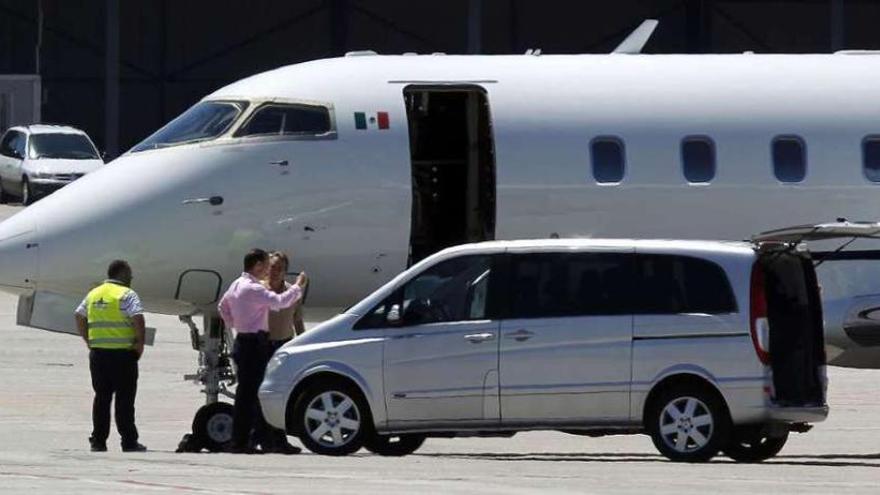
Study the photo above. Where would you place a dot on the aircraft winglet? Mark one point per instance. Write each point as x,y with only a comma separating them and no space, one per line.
636,40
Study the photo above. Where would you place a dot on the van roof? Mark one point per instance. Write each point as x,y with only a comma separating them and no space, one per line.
50,129
715,246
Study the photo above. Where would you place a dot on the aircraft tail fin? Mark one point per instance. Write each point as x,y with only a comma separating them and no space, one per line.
636,40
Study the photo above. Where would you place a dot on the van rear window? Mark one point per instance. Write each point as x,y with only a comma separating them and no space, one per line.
670,284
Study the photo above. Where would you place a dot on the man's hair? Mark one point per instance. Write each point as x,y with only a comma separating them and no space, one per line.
253,257
280,256
117,269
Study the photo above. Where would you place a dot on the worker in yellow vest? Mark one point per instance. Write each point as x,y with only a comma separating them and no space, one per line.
111,321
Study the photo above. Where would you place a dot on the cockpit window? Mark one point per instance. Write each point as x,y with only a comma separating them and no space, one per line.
275,119
67,146
202,122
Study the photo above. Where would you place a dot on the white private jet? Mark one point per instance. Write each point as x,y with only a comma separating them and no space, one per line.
359,166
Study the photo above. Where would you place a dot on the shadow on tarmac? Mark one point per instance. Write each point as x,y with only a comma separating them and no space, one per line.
827,460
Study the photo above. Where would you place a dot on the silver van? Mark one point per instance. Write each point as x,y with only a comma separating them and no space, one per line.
705,346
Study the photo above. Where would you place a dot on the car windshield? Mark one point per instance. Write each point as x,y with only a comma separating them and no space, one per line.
202,122
67,146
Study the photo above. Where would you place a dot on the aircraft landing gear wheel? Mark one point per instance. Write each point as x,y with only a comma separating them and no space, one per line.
212,426
333,418
394,445
754,447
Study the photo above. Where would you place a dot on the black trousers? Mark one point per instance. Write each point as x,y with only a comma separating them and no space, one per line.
251,352
114,372
274,437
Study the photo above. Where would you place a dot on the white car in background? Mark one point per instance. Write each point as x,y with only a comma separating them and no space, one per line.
37,159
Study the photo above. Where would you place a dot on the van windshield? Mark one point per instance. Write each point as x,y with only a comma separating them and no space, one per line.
202,122
66,146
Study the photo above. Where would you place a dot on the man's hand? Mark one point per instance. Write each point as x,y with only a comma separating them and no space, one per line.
82,326
139,348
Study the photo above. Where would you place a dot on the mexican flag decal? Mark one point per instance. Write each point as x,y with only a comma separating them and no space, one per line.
377,120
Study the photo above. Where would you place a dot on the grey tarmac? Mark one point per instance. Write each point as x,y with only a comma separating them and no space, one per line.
45,401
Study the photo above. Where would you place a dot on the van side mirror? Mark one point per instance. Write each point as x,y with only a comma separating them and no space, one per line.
16,154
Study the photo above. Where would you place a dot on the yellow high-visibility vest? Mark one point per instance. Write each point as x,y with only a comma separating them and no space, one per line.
109,327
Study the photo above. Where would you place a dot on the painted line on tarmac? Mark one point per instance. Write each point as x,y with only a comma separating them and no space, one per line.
128,483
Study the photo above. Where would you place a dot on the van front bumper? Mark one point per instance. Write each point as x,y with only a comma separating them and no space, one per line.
45,187
811,414
274,406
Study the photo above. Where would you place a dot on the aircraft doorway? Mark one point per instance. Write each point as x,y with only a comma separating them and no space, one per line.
453,167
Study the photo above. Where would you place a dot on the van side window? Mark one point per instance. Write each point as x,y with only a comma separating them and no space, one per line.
670,284
789,158
273,119
453,290
559,284
608,157
698,159
871,158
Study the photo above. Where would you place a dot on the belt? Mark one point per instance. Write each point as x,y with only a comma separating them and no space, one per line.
259,334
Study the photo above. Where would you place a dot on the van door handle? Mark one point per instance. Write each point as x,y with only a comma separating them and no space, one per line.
280,163
213,201
520,335
477,338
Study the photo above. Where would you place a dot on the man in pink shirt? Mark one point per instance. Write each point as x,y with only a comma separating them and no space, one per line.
245,308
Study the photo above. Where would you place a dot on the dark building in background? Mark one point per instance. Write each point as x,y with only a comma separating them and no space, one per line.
172,53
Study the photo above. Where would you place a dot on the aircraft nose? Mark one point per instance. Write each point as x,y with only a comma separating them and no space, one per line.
18,252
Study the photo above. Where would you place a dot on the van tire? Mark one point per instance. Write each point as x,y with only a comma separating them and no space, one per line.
314,422
4,198
394,445
702,429
754,448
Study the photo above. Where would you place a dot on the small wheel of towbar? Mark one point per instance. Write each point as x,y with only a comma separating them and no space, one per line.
212,426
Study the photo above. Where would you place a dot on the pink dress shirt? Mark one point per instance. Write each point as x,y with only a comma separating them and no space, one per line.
246,304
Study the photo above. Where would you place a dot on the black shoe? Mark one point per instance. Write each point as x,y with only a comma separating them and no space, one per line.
136,447
98,446
235,449
284,448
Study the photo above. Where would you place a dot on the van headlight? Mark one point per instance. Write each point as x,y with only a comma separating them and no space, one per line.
274,363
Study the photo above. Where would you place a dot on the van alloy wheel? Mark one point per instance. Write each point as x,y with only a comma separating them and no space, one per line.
332,419
686,425
688,422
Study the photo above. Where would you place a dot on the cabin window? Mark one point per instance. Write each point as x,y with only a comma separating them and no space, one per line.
871,158
789,159
698,159
274,119
608,157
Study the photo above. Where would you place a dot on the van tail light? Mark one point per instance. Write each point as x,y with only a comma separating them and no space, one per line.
760,325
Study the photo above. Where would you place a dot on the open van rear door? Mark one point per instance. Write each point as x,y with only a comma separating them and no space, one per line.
787,320
821,231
